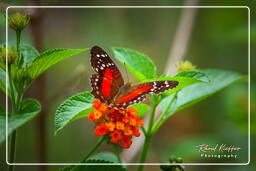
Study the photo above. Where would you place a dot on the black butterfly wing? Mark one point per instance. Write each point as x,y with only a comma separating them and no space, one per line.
137,93
108,80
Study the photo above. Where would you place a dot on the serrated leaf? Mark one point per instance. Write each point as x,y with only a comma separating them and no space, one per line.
195,93
98,166
100,158
28,53
198,75
106,156
30,108
48,58
73,108
142,109
137,63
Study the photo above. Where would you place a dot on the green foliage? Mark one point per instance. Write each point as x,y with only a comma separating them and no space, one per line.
183,82
105,156
198,75
139,64
195,93
142,108
48,58
100,158
2,124
73,108
2,79
29,109
28,54
185,78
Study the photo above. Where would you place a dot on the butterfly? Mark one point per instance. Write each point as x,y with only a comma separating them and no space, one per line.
108,84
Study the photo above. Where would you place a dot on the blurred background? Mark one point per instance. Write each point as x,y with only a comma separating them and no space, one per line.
212,38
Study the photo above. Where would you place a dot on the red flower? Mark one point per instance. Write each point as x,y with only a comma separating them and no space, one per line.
136,132
101,130
115,136
126,142
119,124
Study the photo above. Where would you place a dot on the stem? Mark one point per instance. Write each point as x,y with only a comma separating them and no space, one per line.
151,119
143,130
14,134
117,153
18,35
12,150
144,152
159,120
97,145
148,137
152,131
16,99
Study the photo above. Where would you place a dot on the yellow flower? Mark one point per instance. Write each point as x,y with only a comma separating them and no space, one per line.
12,55
119,125
111,126
185,66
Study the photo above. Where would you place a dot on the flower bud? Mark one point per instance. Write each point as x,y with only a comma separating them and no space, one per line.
179,160
18,21
172,159
12,55
165,167
185,66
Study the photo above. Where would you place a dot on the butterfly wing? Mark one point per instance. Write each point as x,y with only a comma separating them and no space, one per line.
108,80
137,93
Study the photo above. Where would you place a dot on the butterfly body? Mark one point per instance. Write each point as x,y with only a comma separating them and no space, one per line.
124,88
108,84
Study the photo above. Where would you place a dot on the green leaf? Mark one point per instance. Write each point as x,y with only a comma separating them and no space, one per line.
106,156
195,93
2,127
198,75
103,157
73,108
48,58
28,53
142,109
183,82
29,109
3,80
137,63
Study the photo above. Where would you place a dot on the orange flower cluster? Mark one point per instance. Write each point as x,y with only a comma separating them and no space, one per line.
119,124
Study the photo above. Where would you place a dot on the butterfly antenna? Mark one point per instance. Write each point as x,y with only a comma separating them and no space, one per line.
126,73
